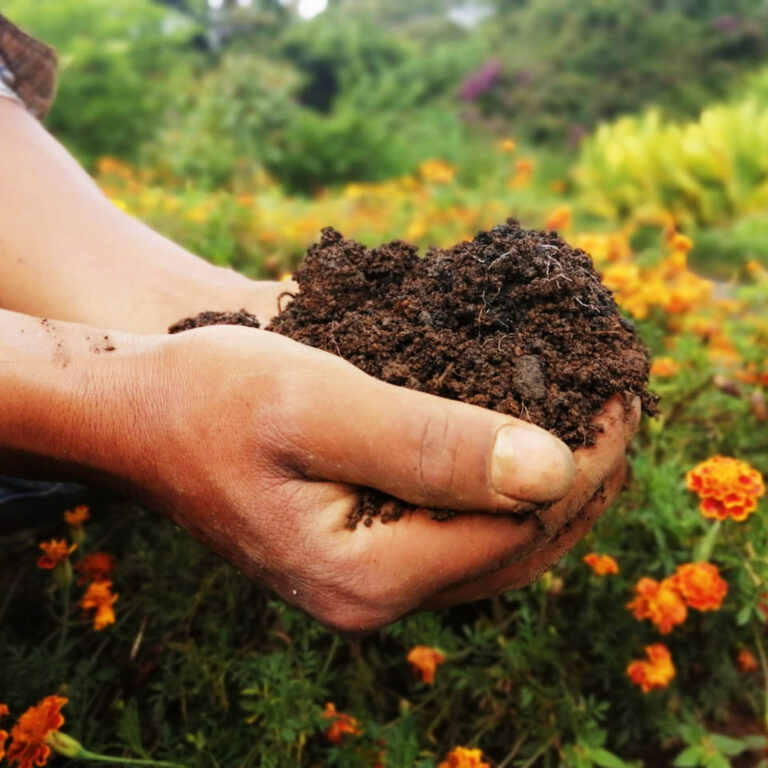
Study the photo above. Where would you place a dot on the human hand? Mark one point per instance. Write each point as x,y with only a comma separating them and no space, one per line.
256,445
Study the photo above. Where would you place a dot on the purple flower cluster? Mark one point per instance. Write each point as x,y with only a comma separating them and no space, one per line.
480,81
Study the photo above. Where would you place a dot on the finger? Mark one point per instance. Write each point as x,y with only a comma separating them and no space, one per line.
352,428
532,567
421,556
616,423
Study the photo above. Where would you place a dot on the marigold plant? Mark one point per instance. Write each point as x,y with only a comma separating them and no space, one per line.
700,585
655,672
95,567
55,551
29,737
659,602
77,516
560,218
424,662
100,598
664,367
602,565
3,734
461,757
341,725
727,487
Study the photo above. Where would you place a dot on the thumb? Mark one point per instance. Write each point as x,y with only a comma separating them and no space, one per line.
423,449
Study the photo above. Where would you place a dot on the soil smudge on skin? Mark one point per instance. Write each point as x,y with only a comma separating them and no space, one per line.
515,320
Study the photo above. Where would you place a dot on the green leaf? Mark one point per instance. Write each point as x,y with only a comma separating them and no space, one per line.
727,745
129,729
744,615
716,760
689,757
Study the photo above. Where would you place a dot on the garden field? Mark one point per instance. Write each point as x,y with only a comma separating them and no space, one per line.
647,645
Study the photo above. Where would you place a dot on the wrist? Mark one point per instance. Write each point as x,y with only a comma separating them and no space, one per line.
74,401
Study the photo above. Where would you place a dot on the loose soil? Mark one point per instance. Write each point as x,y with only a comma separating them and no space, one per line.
516,321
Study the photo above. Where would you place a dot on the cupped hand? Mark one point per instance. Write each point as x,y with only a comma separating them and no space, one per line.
258,445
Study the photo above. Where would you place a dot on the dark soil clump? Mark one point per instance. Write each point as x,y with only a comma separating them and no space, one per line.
516,321
215,318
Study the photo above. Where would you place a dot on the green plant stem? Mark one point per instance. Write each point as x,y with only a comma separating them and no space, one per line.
328,658
764,668
512,752
64,618
703,551
539,752
86,755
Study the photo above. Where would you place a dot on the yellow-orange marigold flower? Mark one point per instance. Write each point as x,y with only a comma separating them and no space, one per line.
437,171
3,734
55,551
78,515
701,585
95,567
507,145
602,565
28,737
664,367
660,602
679,242
424,662
341,724
656,672
560,218
727,487
99,598
461,757
746,661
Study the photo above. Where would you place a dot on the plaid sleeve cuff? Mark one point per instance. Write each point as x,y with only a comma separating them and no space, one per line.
27,69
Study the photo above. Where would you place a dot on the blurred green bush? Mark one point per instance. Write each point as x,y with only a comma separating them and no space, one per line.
120,64
567,66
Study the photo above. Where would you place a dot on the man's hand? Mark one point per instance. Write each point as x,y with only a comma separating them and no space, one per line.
257,445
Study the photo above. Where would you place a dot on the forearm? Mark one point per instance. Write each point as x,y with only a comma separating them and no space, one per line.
67,252
73,400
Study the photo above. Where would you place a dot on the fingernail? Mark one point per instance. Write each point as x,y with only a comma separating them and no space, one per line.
531,464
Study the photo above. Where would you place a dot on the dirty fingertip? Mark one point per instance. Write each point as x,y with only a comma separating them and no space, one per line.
531,464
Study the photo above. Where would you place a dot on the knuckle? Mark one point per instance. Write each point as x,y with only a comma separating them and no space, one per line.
439,454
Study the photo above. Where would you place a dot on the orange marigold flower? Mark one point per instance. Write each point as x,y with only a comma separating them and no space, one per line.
507,145
701,585
664,367
524,165
55,551
28,737
560,218
95,567
602,565
727,487
78,515
461,757
437,171
679,242
424,662
746,661
3,734
99,598
660,602
341,724
656,672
